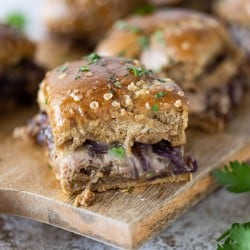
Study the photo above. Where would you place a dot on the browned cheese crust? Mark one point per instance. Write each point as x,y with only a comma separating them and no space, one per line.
14,46
232,11
87,20
105,101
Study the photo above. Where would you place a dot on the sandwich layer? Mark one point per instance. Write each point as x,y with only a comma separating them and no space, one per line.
193,49
112,100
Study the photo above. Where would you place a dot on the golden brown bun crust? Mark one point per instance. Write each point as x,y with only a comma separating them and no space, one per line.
109,103
14,46
87,20
181,44
234,11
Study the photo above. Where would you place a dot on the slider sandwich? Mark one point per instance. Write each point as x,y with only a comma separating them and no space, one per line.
193,49
74,27
108,123
19,74
236,14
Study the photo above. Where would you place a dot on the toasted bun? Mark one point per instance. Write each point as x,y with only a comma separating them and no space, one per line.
14,46
87,20
234,11
180,44
109,103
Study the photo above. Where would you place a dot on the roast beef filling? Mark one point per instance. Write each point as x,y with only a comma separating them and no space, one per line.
19,83
82,165
219,102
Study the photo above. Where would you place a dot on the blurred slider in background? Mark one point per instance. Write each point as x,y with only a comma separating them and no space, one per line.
74,27
236,14
193,49
19,74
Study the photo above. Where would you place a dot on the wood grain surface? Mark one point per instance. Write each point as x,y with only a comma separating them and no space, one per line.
122,219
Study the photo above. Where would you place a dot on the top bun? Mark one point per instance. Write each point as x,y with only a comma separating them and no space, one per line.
190,47
112,100
14,45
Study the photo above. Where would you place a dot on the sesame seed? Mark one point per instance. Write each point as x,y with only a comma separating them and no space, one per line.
107,96
147,105
128,100
115,104
178,103
123,111
89,74
132,87
76,97
180,93
61,76
139,117
94,105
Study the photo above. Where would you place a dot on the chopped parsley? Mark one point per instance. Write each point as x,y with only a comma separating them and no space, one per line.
77,77
236,177
145,10
16,20
118,151
236,238
84,69
124,26
62,68
155,108
93,58
159,36
160,95
117,84
143,42
138,71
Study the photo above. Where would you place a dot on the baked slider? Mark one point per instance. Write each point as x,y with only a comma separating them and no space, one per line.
109,123
74,27
19,75
193,49
237,16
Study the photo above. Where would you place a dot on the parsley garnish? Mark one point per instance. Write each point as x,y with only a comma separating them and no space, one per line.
143,42
84,69
138,71
16,20
155,108
118,151
160,95
236,177
62,68
93,58
159,36
121,25
236,238
145,10
117,84
77,77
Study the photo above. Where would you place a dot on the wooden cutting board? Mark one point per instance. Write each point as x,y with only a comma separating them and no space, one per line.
122,219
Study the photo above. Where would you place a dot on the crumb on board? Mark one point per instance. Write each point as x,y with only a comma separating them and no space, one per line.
85,198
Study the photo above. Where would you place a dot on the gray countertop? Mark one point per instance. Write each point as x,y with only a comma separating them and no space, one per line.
197,229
